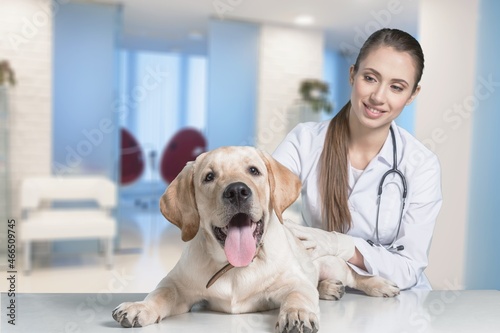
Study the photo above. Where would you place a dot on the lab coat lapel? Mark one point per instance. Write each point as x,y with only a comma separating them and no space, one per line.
384,156
382,159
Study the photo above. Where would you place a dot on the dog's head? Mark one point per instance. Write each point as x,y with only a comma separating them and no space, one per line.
230,193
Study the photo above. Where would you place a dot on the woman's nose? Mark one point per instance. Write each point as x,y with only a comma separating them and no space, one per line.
378,95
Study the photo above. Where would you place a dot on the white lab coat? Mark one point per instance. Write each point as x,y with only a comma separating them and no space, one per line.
300,151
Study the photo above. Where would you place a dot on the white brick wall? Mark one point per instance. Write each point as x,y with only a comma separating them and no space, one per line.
287,56
26,42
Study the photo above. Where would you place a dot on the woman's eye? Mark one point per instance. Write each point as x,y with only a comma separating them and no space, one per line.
397,88
209,177
369,78
254,171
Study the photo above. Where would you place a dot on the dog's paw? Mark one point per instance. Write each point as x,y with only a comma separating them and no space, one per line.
297,321
135,314
380,287
331,289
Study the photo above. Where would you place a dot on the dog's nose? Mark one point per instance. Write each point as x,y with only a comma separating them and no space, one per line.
237,193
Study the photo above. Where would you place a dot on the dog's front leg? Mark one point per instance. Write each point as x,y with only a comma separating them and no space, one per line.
299,311
160,303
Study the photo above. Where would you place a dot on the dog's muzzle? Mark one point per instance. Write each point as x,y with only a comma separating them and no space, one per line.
242,235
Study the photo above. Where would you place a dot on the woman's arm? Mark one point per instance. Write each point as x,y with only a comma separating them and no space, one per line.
417,227
357,259
288,151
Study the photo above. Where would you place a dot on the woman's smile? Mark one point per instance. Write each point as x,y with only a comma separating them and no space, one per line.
372,112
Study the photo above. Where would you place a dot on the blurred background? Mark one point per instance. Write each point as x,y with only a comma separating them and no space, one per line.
130,90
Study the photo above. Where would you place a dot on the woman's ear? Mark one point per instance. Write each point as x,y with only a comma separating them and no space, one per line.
413,95
351,75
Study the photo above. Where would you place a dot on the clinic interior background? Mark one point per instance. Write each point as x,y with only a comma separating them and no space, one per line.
234,75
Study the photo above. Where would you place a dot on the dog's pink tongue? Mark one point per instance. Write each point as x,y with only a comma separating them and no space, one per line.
240,245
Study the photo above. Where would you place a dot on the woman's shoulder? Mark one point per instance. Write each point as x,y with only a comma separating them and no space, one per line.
416,152
302,146
311,131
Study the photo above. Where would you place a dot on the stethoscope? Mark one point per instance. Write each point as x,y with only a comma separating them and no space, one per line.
394,170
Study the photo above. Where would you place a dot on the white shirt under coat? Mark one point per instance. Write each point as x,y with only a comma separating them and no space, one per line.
300,151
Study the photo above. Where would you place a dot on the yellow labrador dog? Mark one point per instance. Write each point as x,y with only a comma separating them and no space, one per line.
240,257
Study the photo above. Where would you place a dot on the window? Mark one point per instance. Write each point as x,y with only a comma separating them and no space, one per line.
160,93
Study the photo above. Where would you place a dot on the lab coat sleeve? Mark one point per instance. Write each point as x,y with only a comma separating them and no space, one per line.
405,267
288,151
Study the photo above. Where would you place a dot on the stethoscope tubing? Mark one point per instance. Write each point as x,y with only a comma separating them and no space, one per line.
392,170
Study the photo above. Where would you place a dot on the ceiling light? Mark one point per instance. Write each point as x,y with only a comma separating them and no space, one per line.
304,20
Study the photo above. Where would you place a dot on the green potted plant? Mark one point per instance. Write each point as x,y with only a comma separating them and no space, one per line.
314,93
7,75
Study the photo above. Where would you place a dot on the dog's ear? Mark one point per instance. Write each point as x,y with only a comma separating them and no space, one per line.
285,185
178,203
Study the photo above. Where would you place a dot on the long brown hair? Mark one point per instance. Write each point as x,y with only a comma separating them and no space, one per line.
333,180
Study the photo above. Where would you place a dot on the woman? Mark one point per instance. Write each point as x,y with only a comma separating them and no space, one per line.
341,163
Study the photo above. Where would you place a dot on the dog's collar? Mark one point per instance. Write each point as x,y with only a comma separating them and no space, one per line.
217,275
226,269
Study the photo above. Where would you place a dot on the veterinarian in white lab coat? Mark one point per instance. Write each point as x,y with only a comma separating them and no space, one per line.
341,164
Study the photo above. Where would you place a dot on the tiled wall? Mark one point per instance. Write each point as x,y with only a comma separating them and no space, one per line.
26,42
287,55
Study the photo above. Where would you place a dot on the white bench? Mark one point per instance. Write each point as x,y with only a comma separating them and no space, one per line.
43,222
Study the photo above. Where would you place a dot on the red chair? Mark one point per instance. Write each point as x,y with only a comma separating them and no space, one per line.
185,146
131,158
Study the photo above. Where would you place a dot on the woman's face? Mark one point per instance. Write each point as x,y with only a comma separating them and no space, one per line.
382,87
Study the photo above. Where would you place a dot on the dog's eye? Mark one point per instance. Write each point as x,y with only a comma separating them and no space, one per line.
209,177
254,171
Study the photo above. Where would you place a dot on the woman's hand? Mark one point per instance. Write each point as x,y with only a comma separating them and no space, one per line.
321,243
